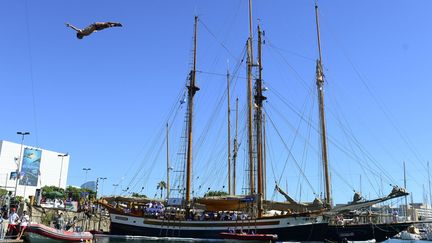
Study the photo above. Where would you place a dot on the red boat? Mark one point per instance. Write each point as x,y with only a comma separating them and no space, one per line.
38,232
251,237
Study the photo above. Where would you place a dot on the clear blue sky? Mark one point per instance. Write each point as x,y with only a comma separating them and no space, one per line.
105,99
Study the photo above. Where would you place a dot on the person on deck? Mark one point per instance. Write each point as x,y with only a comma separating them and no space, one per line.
234,216
93,28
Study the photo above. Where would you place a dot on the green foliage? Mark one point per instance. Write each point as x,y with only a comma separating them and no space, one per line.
161,186
138,195
3,192
47,217
53,192
16,200
76,193
215,193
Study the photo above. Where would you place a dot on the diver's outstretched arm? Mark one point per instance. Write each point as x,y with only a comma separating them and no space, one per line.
114,24
73,27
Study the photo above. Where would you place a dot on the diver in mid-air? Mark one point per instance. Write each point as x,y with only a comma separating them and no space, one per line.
93,28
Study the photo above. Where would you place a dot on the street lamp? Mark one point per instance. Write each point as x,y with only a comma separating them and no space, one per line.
19,160
97,184
86,171
61,166
115,188
100,211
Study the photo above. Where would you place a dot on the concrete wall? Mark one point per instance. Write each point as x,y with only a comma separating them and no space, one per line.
96,221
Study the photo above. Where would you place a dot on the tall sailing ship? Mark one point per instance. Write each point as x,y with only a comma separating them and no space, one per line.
208,217
203,217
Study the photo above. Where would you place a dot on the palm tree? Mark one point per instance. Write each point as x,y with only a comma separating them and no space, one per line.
161,186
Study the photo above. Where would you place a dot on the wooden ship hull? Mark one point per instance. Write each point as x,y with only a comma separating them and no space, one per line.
363,232
299,228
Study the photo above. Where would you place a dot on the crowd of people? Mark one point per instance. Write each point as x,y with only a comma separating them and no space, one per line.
158,210
11,224
220,215
61,224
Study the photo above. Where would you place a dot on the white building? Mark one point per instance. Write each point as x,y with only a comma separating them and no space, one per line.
418,211
37,167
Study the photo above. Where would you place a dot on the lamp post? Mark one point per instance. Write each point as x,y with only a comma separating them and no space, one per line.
125,190
99,208
97,184
19,159
115,188
61,166
86,171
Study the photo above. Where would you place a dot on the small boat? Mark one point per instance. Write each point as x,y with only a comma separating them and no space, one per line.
38,232
412,233
249,237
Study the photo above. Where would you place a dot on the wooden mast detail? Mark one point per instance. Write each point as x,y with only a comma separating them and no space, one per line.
192,89
264,155
229,134
168,162
429,182
405,186
235,150
320,88
259,98
250,105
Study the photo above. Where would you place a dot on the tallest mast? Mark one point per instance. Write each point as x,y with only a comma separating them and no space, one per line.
259,98
192,89
320,88
249,97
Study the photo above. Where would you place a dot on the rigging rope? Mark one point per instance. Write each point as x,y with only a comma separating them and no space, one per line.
214,36
290,154
174,110
30,56
380,104
270,44
330,139
306,85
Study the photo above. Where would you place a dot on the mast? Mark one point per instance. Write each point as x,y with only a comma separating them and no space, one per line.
192,89
412,209
250,22
250,105
229,135
235,149
168,161
259,98
320,88
429,181
406,200
264,156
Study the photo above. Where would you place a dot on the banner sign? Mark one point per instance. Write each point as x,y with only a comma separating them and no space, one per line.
30,167
71,206
13,175
174,201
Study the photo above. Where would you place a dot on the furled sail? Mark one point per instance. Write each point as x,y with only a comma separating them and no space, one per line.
358,204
